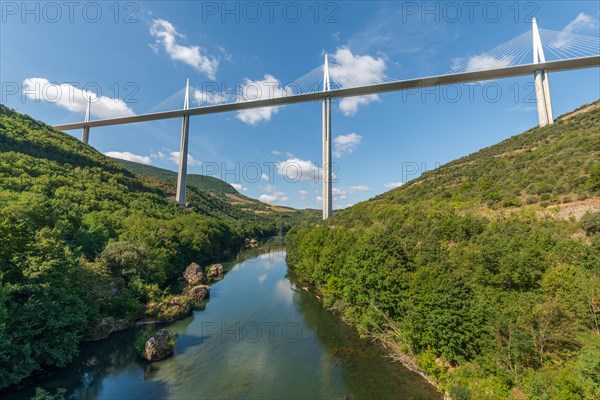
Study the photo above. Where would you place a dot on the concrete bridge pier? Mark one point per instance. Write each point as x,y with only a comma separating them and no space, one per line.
542,87
183,150
85,131
327,170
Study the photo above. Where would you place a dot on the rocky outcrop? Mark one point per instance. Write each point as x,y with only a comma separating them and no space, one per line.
103,327
215,271
198,293
170,309
159,346
194,274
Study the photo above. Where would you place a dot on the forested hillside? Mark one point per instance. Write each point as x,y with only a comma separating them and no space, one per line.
213,188
485,273
82,238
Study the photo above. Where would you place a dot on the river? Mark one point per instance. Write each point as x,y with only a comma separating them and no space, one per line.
259,337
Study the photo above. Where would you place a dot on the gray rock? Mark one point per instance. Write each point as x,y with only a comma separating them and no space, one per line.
170,309
215,270
159,346
194,274
200,292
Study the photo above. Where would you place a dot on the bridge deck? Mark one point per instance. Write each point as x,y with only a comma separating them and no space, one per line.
418,83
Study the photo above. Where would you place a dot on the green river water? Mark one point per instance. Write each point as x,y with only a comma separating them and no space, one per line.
259,337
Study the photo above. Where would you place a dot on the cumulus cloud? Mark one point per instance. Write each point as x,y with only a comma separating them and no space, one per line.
393,185
239,187
173,156
347,68
199,97
295,169
265,177
166,36
346,144
125,155
272,195
338,194
74,99
267,88
350,105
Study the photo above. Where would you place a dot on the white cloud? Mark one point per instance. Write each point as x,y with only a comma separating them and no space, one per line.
239,187
272,195
393,185
296,170
199,97
346,144
267,88
350,105
74,99
338,194
581,23
347,69
359,188
125,155
275,152
173,156
166,36
318,199
482,62
302,192
267,198
264,177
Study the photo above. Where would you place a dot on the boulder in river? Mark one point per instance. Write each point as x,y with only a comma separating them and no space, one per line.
200,292
194,274
215,270
159,346
170,309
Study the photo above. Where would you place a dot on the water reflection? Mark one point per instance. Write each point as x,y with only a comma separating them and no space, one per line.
259,337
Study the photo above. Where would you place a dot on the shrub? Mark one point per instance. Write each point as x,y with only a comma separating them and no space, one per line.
590,222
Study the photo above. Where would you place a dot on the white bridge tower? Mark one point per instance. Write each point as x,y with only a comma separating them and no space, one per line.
542,88
327,170
85,132
183,150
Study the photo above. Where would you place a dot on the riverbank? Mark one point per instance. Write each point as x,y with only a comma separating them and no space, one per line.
260,336
387,338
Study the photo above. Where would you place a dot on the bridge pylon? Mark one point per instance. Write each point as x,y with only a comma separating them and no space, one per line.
542,87
85,131
183,149
326,121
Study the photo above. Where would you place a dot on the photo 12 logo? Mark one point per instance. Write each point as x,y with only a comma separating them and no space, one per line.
253,12
53,12
467,11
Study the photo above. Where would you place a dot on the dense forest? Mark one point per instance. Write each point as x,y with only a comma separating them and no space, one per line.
483,274
82,238
211,188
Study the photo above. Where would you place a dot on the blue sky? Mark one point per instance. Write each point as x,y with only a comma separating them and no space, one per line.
143,52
